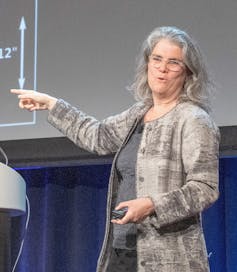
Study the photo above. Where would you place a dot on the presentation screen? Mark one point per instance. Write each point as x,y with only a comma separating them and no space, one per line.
84,52
18,60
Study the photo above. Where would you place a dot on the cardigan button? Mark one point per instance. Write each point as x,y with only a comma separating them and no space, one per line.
143,263
143,150
141,179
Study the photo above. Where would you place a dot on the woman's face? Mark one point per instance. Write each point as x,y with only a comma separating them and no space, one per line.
166,70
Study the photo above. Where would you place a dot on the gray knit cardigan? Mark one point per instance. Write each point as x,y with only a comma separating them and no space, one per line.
177,167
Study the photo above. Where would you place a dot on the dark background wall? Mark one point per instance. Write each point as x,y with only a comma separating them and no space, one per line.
61,151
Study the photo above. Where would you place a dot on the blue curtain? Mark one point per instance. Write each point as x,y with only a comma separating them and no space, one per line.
220,221
68,211
67,219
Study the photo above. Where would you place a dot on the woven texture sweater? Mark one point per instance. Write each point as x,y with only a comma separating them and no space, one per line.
177,167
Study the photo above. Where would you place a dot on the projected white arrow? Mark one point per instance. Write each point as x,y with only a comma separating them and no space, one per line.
22,28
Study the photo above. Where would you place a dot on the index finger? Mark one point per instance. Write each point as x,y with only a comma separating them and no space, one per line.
19,91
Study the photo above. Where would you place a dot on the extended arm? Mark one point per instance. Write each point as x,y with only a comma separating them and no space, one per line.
103,137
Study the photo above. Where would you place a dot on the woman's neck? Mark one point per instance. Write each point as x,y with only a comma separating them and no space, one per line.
160,109
165,103
165,99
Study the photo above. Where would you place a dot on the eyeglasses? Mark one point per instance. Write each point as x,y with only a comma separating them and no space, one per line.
170,64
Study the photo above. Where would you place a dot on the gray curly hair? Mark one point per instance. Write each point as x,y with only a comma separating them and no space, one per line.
198,84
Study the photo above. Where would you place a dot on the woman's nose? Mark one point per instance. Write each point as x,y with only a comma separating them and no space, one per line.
163,66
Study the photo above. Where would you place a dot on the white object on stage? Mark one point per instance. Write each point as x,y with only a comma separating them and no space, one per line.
12,191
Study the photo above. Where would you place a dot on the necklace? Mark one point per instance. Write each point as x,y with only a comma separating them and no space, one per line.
159,110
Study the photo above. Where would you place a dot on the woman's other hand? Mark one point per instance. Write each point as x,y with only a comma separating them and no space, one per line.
33,100
138,210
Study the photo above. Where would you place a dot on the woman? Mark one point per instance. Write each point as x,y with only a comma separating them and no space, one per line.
165,171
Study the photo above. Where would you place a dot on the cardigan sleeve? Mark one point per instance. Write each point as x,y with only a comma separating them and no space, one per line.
200,158
102,138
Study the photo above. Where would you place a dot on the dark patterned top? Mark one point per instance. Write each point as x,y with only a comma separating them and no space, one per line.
125,235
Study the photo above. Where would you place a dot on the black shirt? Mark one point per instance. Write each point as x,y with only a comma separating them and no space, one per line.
124,236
